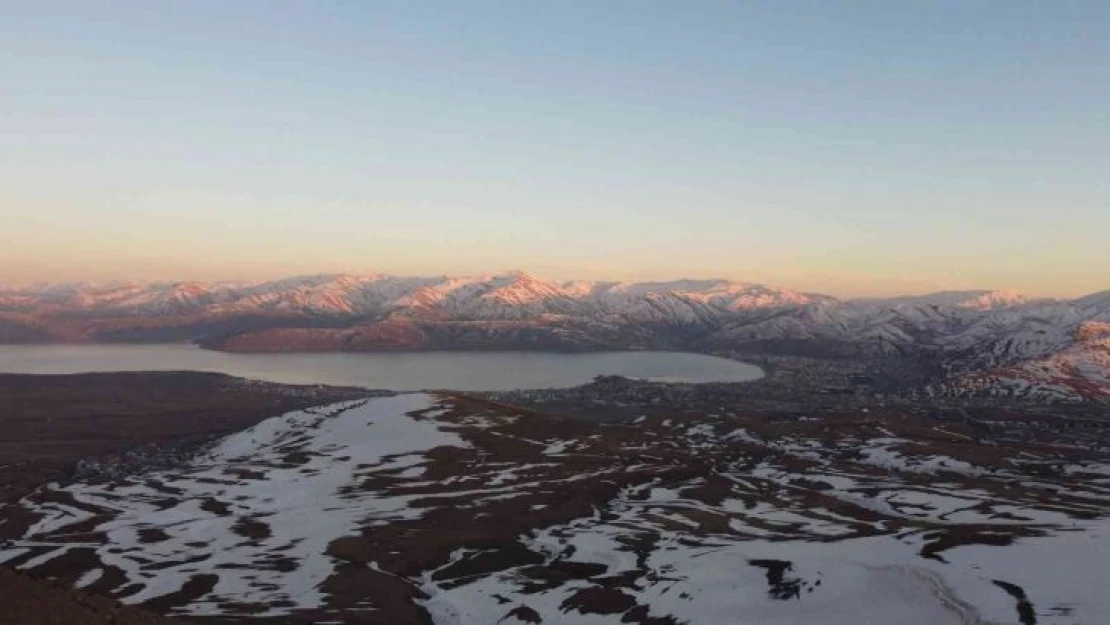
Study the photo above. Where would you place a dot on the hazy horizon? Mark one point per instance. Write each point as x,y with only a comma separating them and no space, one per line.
849,149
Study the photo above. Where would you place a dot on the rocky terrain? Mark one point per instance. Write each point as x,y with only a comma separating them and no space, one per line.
978,342
451,509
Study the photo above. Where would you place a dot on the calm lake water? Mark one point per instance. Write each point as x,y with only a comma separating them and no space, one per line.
398,371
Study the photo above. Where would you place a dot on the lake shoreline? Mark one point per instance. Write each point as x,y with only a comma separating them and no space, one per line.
400,370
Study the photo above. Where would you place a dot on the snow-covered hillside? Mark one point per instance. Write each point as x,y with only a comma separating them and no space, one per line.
1078,371
455,511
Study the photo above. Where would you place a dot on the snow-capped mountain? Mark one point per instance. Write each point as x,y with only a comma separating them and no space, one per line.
1075,370
966,332
976,300
514,295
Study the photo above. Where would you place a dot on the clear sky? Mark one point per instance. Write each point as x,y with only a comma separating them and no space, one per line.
852,148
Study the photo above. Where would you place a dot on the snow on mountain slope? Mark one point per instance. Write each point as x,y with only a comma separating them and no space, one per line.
326,295
966,331
1077,372
975,300
514,295
1100,300
517,296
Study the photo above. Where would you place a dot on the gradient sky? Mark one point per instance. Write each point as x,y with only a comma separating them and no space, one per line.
853,148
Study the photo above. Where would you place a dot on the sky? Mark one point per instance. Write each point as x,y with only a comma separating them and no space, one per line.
852,148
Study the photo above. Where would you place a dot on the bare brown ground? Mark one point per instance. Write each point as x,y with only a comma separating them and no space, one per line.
29,601
50,422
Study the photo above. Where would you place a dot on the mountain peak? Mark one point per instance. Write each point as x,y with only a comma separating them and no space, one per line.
989,300
517,275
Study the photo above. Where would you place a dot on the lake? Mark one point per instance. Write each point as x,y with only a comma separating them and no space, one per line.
463,371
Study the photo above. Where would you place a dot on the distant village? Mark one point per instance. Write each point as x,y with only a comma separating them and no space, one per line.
794,387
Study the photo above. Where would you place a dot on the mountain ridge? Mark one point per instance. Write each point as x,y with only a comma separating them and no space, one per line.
966,332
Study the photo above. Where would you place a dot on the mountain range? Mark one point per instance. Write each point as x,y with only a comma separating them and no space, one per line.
983,341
